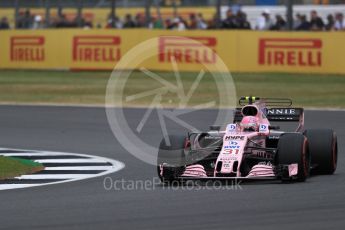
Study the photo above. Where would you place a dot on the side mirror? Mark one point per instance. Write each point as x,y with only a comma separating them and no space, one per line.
271,127
215,127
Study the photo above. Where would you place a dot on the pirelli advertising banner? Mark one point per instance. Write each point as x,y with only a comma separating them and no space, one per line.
241,51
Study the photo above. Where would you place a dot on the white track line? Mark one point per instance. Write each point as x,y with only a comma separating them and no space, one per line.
13,186
79,168
55,176
90,160
33,154
114,167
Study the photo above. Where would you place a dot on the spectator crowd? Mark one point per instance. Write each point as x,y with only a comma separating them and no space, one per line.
233,20
301,23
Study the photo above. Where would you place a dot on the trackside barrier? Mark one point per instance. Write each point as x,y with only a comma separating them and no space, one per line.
242,51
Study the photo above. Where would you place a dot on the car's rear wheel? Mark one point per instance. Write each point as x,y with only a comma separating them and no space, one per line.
323,149
293,149
171,158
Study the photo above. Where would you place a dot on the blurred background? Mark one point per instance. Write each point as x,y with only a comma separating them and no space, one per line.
272,47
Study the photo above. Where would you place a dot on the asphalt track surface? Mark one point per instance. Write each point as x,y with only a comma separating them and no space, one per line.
317,204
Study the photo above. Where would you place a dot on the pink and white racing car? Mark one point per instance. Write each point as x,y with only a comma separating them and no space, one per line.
250,147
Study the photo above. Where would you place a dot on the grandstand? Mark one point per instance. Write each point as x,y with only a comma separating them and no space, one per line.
141,3
112,13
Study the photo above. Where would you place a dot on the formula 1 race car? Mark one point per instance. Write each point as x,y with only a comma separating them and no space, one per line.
250,147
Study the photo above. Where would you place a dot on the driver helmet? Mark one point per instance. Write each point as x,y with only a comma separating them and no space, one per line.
249,123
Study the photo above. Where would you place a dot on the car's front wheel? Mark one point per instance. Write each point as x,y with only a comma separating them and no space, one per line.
323,149
293,149
171,158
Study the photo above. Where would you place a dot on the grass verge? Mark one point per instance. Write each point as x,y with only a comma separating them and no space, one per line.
307,90
12,167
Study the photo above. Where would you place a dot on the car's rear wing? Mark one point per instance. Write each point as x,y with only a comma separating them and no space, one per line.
284,114
275,109
276,114
268,101
279,114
